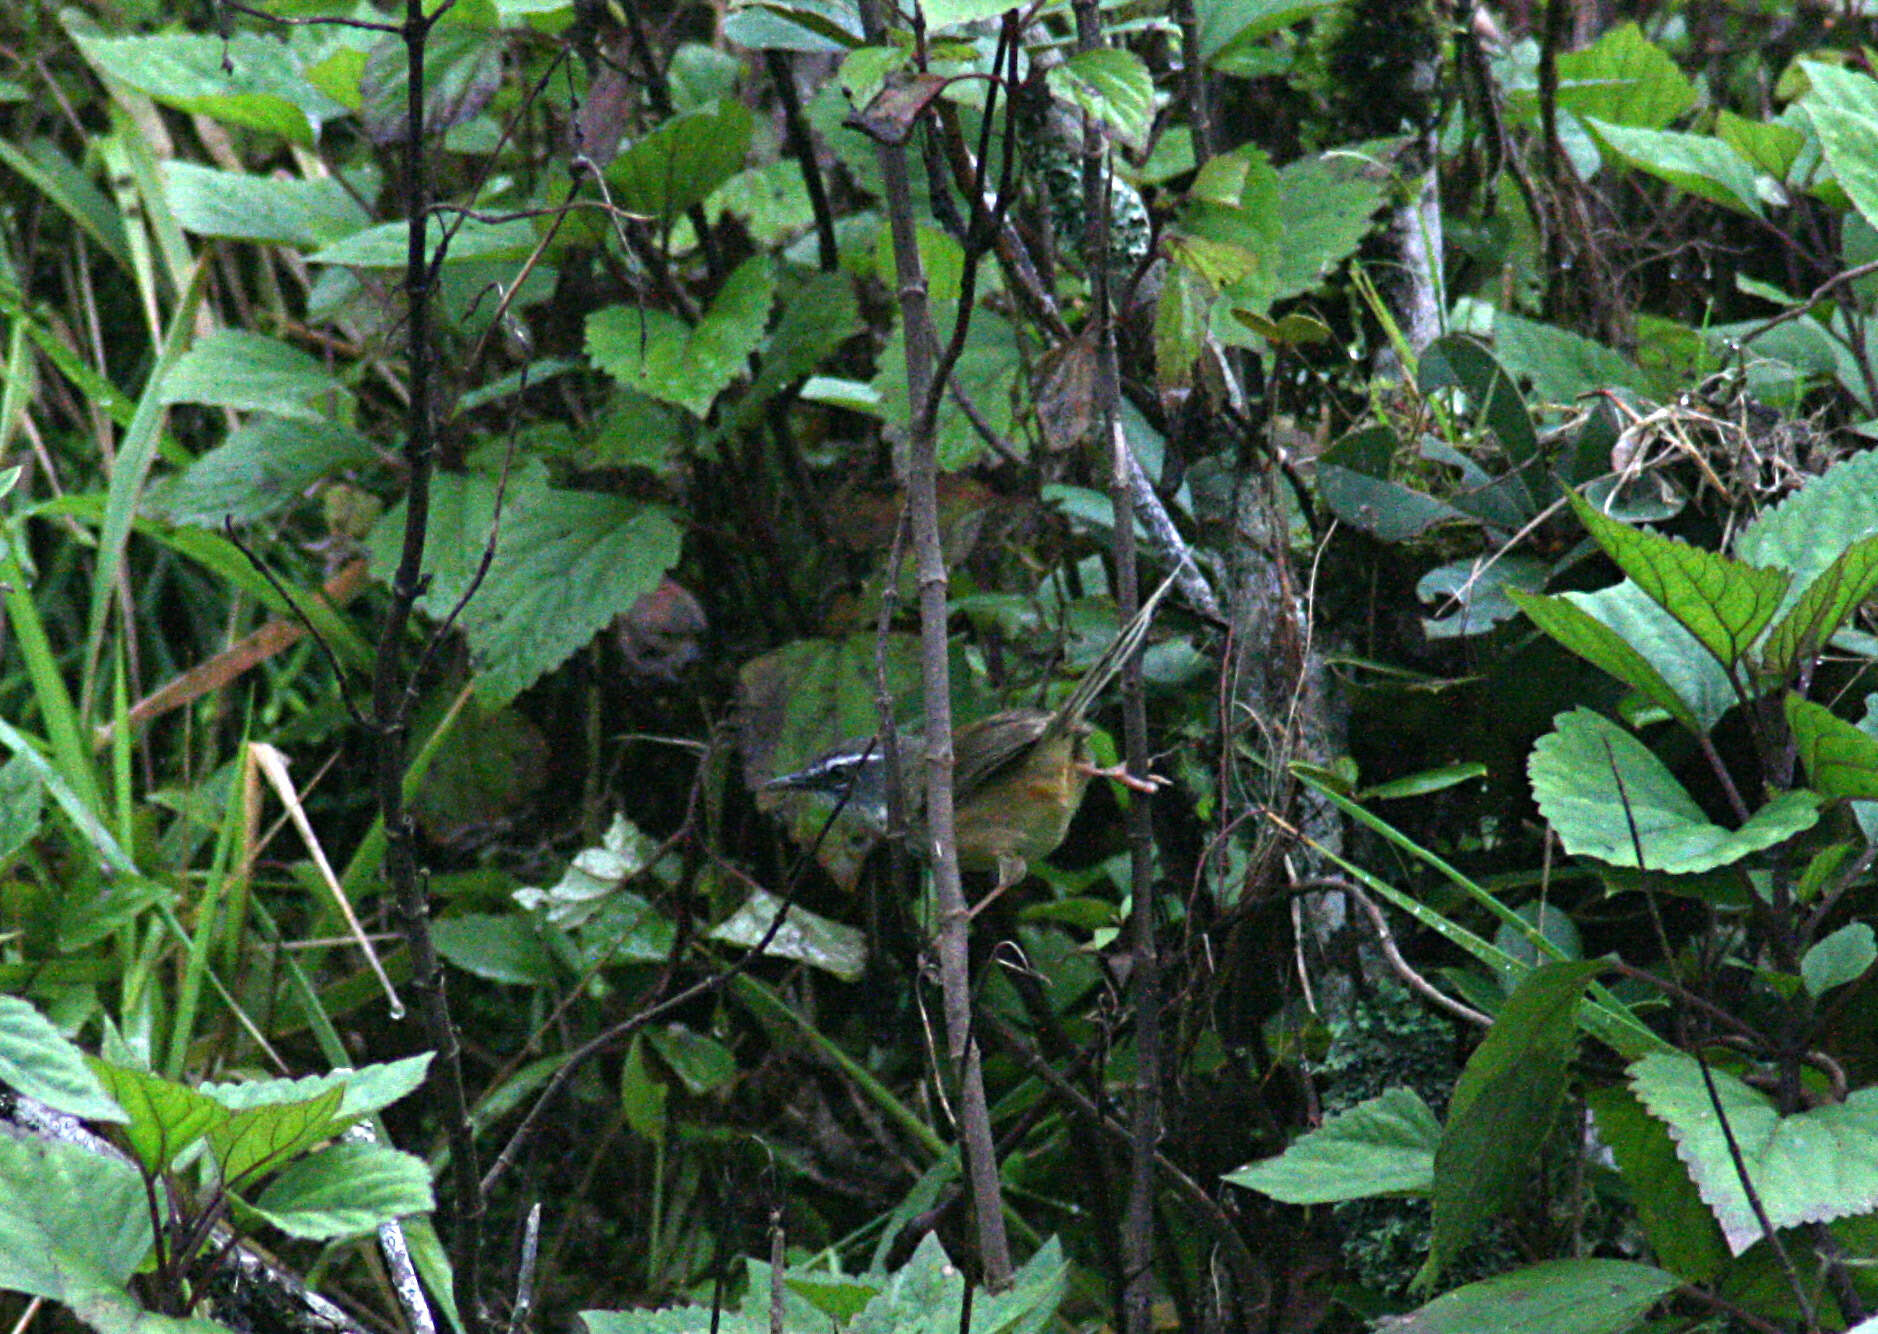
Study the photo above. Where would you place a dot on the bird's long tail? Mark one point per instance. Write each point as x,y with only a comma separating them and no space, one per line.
1126,641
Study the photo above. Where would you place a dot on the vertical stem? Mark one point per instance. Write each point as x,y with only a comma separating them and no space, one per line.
954,926
392,696
1137,1239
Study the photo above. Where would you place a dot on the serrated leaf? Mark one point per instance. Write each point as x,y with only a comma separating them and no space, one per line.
1602,647
1592,780
260,1139
1724,603
232,368
1625,79
38,1061
1385,1146
1113,85
73,1223
1694,163
1844,111
1326,205
265,465
1679,1226
1504,1106
566,563
1813,1166
657,354
165,1117
1821,609
346,1189
1807,532
1841,761
1553,1297
683,160
363,1091
1841,957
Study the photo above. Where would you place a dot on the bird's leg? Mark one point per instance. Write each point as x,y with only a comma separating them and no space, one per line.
1119,772
1010,871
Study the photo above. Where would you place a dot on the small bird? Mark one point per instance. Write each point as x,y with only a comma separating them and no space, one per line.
1018,776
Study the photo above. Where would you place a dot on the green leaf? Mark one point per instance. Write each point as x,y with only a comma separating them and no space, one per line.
1113,85
1810,529
1813,1166
804,936
1459,362
683,160
1623,78
643,1095
1694,163
1326,206
1180,323
1385,1146
822,26
247,80
1504,1106
497,948
60,180
1843,107
344,1190
1592,780
1770,148
1841,957
261,1138
264,467
1604,648
387,245
1724,603
1553,1297
1227,24
1681,1230
702,1063
1560,366
1353,480
73,1224
462,72
232,368
950,13
657,354
1691,671
1475,594
165,1117
1841,761
243,207
36,1060
566,563
595,874
1820,610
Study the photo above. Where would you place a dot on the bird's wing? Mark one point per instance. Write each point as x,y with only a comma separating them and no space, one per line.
994,743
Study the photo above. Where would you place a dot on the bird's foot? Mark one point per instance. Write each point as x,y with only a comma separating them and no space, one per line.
1119,772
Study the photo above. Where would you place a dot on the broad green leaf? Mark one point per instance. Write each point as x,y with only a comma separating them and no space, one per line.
988,372
1843,107
701,1062
1504,1106
595,874
1353,480
1180,321
1625,79
822,26
950,13
1593,781
657,354
1695,163
1559,365
1113,86
1681,1230
1841,761
1552,1297
387,245
344,1190
38,1061
1474,595
1769,147
1691,671
1813,1166
248,80
1724,603
244,207
1605,649
566,563
261,1138
1841,957
644,1097
804,936
682,161
675,1319
1385,1146
73,1224
264,467
497,948
1808,623
1807,532
232,368
165,1117
1225,24
462,71
1326,205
